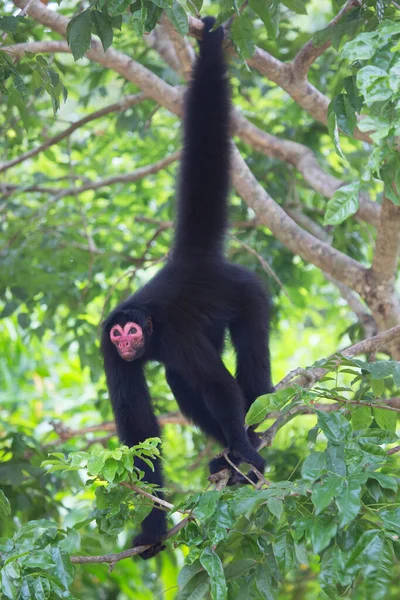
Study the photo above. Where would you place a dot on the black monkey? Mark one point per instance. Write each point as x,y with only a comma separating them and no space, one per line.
180,317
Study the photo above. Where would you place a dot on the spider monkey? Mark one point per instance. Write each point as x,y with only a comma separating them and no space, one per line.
180,317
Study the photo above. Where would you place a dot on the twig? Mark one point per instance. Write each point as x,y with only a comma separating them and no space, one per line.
396,448
120,106
114,558
236,468
95,185
309,52
267,268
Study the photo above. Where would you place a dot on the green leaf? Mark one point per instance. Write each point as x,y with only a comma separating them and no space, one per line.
267,403
5,508
348,502
296,6
391,520
102,28
263,583
313,466
267,11
178,17
275,506
334,130
361,417
367,550
386,419
165,3
221,522
242,35
335,459
117,7
335,426
95,464
355,99
196,588
284,551
322,529
385,481
343,204
79,34
9,24
324,491
373,83
345,114
362,48
110,469
206,505
213,565
381,369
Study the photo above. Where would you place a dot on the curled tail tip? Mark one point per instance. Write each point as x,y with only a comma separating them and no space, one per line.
211,38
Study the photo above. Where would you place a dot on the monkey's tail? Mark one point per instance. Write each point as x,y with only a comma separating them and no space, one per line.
204,177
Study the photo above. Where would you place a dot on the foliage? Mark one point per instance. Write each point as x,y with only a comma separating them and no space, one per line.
327,525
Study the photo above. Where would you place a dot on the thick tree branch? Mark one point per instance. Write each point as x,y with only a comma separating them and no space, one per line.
300,156
309,52
303,159
356,305
341,267
282,74
387,248
337,264
120,106
182,48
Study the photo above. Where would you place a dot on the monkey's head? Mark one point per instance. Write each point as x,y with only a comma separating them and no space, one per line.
129,331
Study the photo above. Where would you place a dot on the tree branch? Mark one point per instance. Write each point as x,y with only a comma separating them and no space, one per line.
307,378
114,558
95,185
337,264
303,159
286,77
309,53
182,48
120,106
387,248
300,156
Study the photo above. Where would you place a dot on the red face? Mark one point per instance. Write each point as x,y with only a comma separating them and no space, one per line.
128,339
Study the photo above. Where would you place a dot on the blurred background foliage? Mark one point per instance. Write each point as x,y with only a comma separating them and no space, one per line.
68,258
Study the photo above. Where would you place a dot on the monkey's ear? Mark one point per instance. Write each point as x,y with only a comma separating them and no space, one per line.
149,325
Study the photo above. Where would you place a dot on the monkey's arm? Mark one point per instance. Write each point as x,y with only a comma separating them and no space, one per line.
136,422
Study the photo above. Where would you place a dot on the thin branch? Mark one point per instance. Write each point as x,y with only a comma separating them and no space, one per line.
309,377
114,558
300,156
264,264
309,52
120,106
387,248
95,185
151,497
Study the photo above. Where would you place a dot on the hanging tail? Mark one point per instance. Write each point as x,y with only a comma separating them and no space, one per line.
204,178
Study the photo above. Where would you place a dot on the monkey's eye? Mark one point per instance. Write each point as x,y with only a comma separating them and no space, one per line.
116,332
133,330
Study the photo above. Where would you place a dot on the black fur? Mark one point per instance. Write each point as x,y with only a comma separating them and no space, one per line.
195,299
